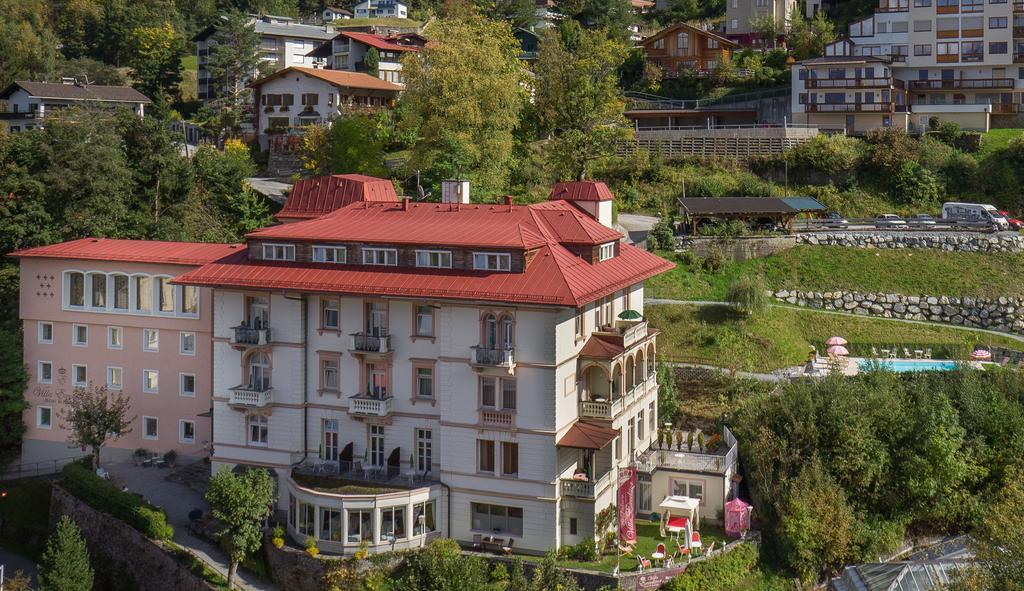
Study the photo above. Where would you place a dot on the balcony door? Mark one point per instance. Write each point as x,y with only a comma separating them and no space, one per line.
376,380
329,451
377,319
259,371
257,312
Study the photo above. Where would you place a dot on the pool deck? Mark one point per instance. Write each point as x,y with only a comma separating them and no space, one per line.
851,366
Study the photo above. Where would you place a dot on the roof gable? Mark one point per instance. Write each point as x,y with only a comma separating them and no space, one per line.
338,78
312,198
77,92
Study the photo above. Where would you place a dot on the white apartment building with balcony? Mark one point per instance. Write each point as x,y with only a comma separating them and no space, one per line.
914,60
410,370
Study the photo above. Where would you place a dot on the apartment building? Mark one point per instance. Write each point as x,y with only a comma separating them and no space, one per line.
381,9
412,370
915,60
347,52
684,47
740,14
25,104
102,312
284,42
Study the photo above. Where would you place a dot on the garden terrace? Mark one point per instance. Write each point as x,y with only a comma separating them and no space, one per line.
717,457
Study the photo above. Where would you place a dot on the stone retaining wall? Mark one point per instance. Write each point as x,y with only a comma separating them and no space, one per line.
949,241
740,248
124,559
1002,314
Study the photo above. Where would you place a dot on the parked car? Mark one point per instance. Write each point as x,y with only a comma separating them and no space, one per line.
1015,224
890,221
921,220
834,220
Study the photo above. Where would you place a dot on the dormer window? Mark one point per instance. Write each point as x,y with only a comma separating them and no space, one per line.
492,261
380,256
434,259
606,251
279,252
329,254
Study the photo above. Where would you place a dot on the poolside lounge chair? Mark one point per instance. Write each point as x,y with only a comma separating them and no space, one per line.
928,353
626,549
893,353
874,352
906,353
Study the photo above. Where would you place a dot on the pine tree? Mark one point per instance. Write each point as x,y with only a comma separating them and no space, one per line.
65,565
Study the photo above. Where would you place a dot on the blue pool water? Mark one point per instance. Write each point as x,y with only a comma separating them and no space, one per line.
901,366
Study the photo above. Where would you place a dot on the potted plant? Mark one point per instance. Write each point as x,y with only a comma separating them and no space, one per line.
700,441
278,539
171,458
679,440
140,456
311,548
689,441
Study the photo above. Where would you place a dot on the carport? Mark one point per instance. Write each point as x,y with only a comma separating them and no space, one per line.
695,210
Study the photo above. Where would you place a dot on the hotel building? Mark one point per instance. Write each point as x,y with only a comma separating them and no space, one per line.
915,60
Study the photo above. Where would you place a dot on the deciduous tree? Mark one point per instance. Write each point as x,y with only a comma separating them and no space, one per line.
65,565
13,379
808,37
240,502
155,61
94,415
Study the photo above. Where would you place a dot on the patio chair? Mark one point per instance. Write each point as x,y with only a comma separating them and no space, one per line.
928,353
477,541
507,549
874,352
626,549
643,563
893,353
659,553
906,353
885,353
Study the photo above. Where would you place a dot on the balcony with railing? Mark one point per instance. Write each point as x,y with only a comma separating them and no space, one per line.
370,405
246,336
370,343
1018,7
850,107
584,489
1018,31
630,331
853,83
254,395
485,357
1018,57
964,84
504,418
716,458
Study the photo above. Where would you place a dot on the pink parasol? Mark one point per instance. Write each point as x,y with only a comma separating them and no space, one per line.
837,350
981,355
836,341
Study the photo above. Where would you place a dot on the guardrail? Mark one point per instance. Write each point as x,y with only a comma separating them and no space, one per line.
816,225
31,469
715,127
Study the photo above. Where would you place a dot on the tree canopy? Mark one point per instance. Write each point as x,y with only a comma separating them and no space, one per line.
240,502
65,564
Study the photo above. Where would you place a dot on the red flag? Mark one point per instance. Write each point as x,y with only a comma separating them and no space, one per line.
627,507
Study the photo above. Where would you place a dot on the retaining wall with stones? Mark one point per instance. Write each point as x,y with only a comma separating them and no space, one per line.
1001,314
949,241
124,558
739,248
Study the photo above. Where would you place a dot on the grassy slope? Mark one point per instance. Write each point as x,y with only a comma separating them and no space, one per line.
995,140
823,268
781,337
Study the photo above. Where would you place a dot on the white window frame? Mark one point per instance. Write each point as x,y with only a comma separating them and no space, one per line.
156,423
181,384
159,281
271,252
39,372
145,382
39,417
181,431
110,377
181,343
265,423
606,251
498,257
39,333
74,335
74,375
426,259
145,340
330,254
66,289
370,255
110,333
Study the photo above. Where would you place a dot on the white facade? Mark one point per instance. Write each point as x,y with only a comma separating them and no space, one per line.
957,61
24,110
380,9
526,476
740,13
349,55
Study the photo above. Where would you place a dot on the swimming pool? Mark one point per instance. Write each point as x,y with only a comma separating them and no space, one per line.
905,365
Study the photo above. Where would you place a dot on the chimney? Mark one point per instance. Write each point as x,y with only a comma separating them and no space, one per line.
508,202
405,204
454,191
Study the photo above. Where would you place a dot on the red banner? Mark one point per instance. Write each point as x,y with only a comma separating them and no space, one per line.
627,505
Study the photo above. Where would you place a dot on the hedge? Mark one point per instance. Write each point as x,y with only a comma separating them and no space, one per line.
105,496
724,572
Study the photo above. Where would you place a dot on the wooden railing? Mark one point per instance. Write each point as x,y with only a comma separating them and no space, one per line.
850,107
848,82
963,84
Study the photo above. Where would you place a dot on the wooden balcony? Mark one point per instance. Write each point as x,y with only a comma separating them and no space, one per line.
950,58
947,34
964,84
244,336
814,83
370,406
1006,109
850,108
972,33
252,395
947,9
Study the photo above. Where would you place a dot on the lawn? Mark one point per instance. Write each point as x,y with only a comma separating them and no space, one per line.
647,542
781,337
827,268
26,509
996,140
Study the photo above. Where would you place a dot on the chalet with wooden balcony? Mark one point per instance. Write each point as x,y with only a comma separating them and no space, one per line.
684,48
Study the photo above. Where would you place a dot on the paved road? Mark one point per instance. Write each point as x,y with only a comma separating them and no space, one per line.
14,562
177,501
636,226
663,302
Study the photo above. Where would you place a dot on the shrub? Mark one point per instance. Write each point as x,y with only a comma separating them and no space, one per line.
585,551
915,184
690,259
662,235
311,548
831,155
891,149
726,229
499,574
715,261
748,295
104,496
948,132
278,539
363,551
171,457
724,572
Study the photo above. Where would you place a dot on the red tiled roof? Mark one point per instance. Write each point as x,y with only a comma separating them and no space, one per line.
597,347
336,77
133,251
378,41
582,191
442,224
312,198
587,436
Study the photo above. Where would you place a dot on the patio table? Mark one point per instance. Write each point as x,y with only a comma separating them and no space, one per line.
492,544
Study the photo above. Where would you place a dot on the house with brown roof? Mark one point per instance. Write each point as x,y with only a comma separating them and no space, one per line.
295,97
681,47
347,51
24,103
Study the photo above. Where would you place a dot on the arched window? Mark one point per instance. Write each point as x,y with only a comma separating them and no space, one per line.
650,360
75,282
616,382
640,366
630,374
258,371
97,290
490,332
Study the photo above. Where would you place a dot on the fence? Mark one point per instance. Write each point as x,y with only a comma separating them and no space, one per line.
32,469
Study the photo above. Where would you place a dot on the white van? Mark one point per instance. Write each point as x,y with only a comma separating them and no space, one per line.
974,213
